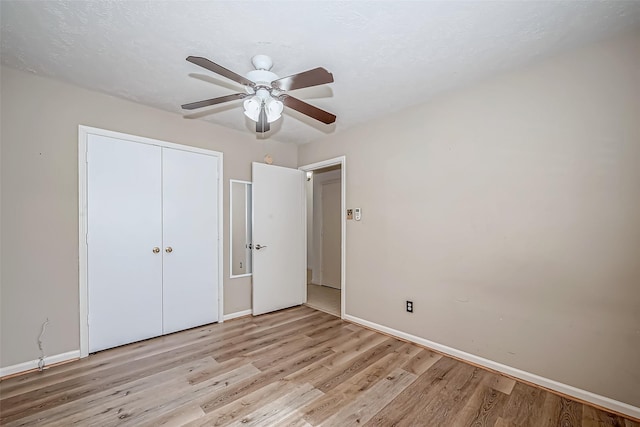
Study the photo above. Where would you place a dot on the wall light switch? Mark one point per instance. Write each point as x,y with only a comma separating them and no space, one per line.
349,213
358,214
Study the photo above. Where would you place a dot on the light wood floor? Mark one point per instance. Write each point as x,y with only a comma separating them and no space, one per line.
296,367
324,298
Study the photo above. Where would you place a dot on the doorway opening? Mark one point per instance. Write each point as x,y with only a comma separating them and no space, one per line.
325,236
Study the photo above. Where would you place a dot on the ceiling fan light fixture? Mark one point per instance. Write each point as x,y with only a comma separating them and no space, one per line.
273,107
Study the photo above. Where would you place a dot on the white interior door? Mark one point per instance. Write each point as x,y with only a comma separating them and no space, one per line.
190,239
124,191
279,276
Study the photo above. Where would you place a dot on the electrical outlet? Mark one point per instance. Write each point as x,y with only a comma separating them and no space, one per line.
409,306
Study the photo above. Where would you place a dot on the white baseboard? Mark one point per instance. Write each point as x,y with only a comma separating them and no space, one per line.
587,396
237,314
33,364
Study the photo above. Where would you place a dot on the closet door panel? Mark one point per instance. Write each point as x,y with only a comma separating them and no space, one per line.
124,190
190,229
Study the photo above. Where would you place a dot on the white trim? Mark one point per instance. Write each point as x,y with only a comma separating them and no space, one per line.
83,134
342,161
587,396
237,314
33,364
220,233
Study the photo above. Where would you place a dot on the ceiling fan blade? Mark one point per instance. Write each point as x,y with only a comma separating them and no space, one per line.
214,101
315,77
218,69
262,125
308,109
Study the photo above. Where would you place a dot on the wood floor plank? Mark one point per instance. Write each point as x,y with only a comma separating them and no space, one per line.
108,399
482,409
361,410
362,341
296,367
92,373
417,394
295,419
359,363
180,417
265,378
276,411
350,390
158,405
79,387
450,399
500,383
257,340
239,408
592,417
421,362
570,413
524,407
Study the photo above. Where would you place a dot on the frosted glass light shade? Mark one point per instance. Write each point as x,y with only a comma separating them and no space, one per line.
272,107
252,108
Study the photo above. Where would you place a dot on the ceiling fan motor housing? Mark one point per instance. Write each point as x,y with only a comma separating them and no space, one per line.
262,62
261,77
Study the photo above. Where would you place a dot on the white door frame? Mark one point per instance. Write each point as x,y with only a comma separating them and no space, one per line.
342,161
83,135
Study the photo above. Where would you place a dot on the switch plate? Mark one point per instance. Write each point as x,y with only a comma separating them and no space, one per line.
357,214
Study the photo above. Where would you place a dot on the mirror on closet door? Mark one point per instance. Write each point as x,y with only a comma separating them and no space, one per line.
240,228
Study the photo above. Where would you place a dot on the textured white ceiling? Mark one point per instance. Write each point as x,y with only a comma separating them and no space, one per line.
384,55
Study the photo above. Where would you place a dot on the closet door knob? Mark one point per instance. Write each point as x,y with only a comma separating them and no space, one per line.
156,250
168,249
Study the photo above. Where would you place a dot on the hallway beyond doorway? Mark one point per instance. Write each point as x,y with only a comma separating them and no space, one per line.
323,298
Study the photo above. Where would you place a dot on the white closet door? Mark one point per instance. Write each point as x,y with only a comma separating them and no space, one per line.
190,230
124,190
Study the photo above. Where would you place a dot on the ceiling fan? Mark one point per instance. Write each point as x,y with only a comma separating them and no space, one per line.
266,91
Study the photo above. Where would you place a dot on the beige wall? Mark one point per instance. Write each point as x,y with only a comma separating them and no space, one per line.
39,135
509,212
